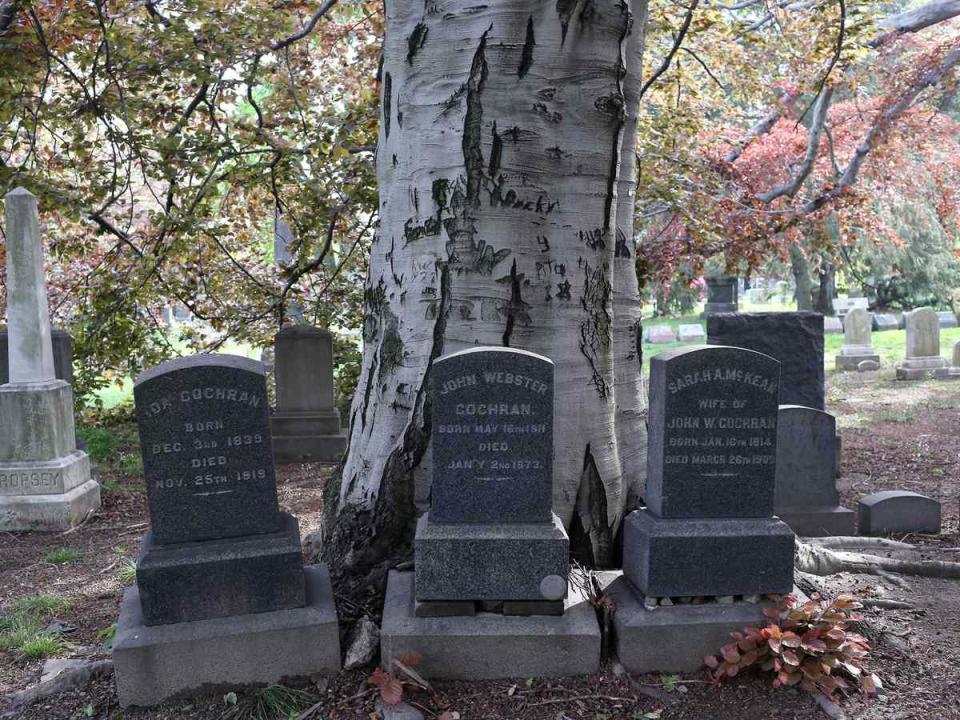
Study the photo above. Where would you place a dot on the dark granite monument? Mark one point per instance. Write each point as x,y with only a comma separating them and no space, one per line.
305,423
491,558
722,295
221,567
708,530
793,338
62,355
898,511
806,497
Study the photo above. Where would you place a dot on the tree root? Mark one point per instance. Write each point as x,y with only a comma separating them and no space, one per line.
67,680
815,560
842,542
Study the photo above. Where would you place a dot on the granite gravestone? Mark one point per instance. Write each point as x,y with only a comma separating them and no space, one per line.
923,346
947,318
793,338
488,596
722,295
691,333
62,355
45,480
885,321
221,596
832,325
857,342
709,528
306,423
490,534
891,511
660,335
806,491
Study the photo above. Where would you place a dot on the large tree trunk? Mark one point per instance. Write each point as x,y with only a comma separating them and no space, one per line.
506,167
801,276
828,288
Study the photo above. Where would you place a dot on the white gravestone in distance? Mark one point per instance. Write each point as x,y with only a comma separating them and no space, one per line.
857,342
45,481
923,346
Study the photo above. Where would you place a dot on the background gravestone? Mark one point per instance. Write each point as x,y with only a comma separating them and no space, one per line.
806,491
62,355
857,342
306,423
952,372
923,346
885,321
722,295
893,511
709,528
795,339
45,481
222,596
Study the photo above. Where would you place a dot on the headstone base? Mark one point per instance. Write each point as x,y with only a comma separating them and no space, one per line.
665,557
489,646
53,513
192,581
919,368
851,363
714,308
45,477
950,373
157,663
307,437
473,561
823,522
675,638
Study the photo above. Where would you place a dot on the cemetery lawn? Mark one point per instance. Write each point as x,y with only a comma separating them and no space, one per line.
895,435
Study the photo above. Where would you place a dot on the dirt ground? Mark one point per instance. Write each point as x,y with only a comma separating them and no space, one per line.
895,436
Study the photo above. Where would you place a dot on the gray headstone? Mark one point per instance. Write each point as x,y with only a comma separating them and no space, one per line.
793,338
923,334
206,446
691,333
712,433
947,319
832,325
892,511
722,295
62,355
492,437
708,528
660,335
857,343
885,321
806,495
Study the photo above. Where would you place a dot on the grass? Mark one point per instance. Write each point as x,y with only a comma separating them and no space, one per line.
269,703
23,629
62,556
128,571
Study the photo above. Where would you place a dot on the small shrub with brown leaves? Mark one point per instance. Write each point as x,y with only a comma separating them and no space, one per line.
806,645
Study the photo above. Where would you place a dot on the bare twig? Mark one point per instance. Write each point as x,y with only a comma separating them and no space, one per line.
677,42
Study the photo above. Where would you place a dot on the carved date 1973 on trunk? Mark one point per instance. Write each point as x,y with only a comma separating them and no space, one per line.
506,166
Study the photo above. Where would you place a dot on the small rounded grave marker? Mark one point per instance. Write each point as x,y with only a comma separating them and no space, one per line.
553,587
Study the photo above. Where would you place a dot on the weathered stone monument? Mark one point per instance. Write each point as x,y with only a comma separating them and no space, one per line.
947,319
691,333
832,325
793,338
857,342
489,594
222,597
885,321
891,511
305,423
806,496
923,346
62,355
722,295
952,372
660,334
708,530
45,481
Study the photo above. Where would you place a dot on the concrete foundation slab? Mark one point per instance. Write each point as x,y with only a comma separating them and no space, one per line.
489,646
154,664
827,522
53,513
674,638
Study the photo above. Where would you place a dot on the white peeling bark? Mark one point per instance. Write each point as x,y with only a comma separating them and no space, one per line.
506,168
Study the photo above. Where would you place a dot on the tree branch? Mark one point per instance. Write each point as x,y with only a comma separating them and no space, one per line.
306,29
665,65
791,187
923,17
